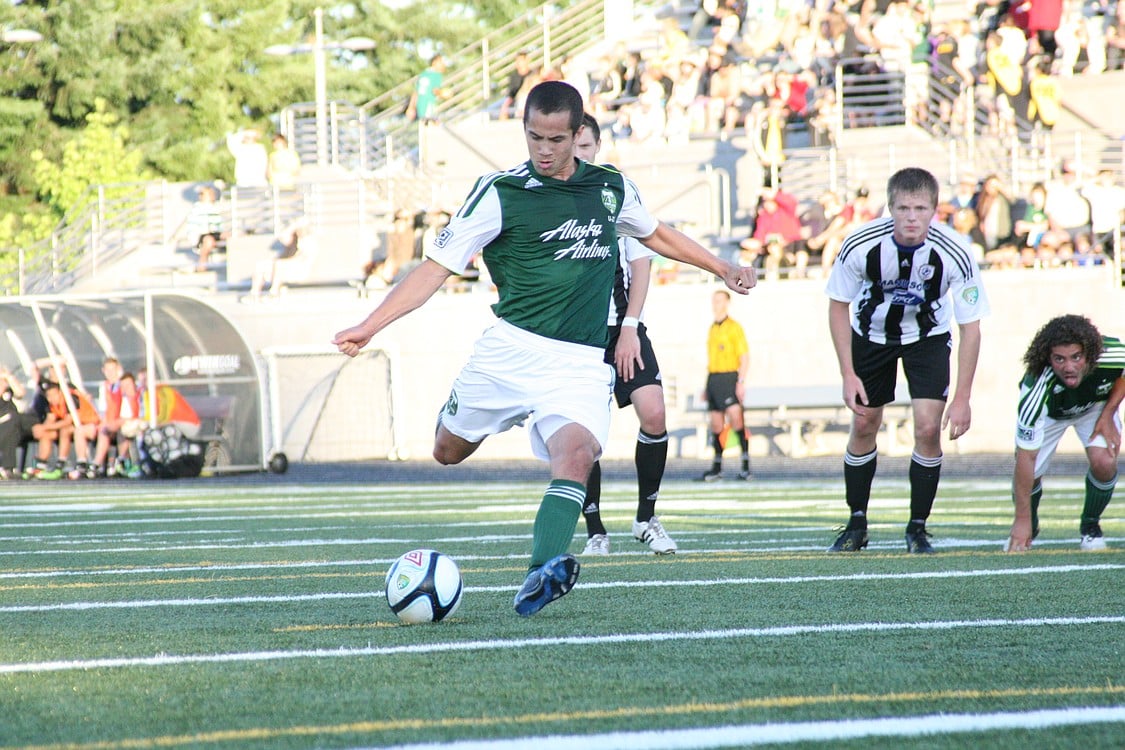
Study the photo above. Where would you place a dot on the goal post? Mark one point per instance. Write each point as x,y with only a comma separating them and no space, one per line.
325,406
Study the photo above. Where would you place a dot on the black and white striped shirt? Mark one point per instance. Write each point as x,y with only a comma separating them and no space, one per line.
901,295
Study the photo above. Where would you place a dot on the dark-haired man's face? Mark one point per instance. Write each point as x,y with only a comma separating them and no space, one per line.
550,143
1069,363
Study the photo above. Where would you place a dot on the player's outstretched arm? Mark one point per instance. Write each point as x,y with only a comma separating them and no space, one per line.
407,295
1019,538
674,244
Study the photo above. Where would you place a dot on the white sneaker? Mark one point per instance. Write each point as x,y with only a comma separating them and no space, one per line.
1092,543
598,544
653,534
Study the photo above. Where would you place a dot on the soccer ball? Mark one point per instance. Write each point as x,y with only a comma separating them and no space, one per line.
424,586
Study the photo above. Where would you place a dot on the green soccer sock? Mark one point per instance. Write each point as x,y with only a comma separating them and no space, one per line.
1098,495
556,520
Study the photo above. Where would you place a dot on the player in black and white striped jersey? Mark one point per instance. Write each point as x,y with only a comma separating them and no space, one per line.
896,288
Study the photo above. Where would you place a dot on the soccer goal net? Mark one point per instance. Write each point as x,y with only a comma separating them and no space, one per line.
324,406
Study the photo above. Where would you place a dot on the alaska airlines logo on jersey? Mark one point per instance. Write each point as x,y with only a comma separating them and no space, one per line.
609,200
585,236
970,294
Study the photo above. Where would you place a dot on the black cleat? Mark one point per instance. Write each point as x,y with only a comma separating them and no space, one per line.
712,475
918,543
850,540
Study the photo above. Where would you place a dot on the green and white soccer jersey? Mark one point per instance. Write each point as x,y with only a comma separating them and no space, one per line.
550,245
1047,407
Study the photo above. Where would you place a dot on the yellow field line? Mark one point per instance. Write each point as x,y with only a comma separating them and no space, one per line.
683,709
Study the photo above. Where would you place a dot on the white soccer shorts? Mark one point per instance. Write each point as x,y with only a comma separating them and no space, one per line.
514,375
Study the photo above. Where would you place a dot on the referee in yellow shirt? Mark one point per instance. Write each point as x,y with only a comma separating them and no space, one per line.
728,362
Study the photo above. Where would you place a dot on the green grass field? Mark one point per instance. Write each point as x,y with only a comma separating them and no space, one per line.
251,615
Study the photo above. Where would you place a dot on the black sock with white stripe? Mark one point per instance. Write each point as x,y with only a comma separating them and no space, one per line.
650,457
924,475
859,473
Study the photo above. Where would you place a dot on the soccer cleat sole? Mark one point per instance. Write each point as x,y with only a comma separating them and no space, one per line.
555,579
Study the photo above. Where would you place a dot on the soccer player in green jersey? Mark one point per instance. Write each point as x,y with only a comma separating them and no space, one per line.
1075,377
547,231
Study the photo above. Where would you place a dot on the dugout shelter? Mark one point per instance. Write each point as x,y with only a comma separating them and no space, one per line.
179,339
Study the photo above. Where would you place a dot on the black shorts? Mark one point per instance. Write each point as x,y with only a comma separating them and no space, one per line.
925,362
720,390
622,389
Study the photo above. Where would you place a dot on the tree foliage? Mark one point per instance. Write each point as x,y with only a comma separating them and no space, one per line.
180,74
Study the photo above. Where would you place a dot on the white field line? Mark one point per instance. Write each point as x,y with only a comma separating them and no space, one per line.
554,641
776,545
750,581
745,735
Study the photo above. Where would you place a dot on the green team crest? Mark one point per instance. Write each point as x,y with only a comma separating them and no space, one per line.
451,404
971,295
609,200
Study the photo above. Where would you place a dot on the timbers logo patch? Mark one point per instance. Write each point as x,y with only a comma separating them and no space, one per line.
970,294
609,200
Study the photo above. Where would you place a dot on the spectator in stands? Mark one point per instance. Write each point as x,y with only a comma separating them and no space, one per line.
121,423
681,109
1067,210
647,113
1044,94
774,243
284,165
965,222
11,431
204,224
1004,83
1042,18
873,328
723,93
949,76
705,16
814,221
250,159
965,192
292,264
1115,37
1074,377
428,90
854,213
521,68
605,87
994,213
1033,224
673,45
1107,208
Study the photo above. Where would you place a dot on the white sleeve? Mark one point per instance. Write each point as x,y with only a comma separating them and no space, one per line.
634,220
632,249
466,235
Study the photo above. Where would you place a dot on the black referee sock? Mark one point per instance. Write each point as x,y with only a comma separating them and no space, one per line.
591,509
650,457
924,475
859,473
